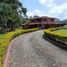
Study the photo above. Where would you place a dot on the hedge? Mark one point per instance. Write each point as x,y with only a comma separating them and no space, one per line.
4,42
56,36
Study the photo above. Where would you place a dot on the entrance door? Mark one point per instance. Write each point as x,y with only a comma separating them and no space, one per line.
41,26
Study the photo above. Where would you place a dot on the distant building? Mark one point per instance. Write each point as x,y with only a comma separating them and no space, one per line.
42,22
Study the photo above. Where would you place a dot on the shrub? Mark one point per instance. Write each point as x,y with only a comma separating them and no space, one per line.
60,37
4,42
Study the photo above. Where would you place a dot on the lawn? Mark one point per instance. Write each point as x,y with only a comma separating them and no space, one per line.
2,36
2,49
58,34
61,31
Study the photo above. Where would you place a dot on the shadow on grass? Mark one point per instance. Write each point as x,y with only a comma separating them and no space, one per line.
1,33
56,43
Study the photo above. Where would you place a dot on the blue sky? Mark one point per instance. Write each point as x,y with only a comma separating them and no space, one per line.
51,8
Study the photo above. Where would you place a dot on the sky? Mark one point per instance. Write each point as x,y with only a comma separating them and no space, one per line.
50,8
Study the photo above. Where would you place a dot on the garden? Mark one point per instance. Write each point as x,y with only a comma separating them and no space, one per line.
5,39
57,34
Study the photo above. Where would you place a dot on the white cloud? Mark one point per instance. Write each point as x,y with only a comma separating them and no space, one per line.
54,10
48,3
58,10
35,12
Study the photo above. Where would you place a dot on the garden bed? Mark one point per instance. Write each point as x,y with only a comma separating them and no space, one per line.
57,34
5,39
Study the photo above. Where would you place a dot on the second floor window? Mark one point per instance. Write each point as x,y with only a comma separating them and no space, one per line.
52,20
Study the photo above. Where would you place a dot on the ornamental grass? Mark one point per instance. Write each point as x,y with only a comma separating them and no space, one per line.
6,39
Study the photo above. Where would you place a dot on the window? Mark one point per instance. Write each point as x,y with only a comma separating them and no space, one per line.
45,20
52,20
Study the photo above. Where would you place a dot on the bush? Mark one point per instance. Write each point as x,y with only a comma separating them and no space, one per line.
60,37
4,42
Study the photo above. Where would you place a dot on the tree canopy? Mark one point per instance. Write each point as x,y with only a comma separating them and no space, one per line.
11,12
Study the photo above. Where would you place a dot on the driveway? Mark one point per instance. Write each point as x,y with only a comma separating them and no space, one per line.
31,50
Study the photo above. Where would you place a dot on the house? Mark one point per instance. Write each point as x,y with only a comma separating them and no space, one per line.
42,23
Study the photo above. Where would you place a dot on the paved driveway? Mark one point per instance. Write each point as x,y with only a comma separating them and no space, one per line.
31,50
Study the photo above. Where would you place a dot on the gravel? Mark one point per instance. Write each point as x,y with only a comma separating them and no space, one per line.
31,50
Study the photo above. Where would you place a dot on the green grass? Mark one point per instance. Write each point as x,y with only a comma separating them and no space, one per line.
58,34
61,31
2,49
2,36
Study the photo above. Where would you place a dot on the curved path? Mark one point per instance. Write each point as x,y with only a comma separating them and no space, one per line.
31,50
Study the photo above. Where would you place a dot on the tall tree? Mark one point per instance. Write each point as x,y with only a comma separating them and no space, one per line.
11,11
